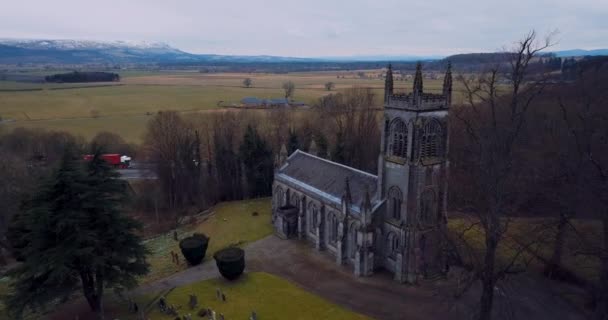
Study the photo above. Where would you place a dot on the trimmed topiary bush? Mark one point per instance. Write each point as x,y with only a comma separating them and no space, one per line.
194,248
231,262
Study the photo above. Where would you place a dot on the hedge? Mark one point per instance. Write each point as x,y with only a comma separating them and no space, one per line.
231,262
194,248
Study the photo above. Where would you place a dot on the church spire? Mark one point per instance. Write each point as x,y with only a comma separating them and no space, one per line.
313,149
367,202
388,83
347,195
447,84
418,80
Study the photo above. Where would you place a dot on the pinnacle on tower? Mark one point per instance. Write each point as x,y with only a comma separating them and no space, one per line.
347,195
388,83
282,156
367,202
418,80
447,84
313,149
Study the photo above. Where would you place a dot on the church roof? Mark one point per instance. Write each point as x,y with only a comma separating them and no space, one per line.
327,178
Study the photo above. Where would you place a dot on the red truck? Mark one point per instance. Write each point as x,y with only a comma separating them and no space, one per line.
114,159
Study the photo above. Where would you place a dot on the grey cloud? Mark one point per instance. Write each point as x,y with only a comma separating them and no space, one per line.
312,27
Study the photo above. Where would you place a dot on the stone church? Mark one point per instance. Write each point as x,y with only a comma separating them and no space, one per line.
394,220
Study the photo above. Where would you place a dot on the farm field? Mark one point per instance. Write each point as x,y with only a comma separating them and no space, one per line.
86,108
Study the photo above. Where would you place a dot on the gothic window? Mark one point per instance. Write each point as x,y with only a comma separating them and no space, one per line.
392,245
296,201
278,197
428,208
431,140
333,228
352,239
397,145
394,205
287,200
313,211
387,130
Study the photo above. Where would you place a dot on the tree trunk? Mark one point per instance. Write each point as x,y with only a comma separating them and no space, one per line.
555,262
601,304
488,280
92,288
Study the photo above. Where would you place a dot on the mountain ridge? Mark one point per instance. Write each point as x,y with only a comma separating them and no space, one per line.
68,51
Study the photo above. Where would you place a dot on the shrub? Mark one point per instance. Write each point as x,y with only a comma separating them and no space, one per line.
202,312
194,248
231,262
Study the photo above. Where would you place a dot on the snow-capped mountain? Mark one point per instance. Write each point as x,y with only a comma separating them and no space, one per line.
84,44
44,51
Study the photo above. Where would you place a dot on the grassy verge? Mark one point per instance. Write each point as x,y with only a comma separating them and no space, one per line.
230,223
269,296
540,233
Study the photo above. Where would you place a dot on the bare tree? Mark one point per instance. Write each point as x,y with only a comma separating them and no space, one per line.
355,126
247,82
583,109
174,146
492,125
329,86
289,88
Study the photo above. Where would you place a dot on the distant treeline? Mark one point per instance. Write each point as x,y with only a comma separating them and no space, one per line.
77,76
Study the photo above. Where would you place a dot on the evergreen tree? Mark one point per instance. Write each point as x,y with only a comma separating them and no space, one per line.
293,143
322,144
257,159
338,153
73,235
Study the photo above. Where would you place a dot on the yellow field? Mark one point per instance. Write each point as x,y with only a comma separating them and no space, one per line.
125,107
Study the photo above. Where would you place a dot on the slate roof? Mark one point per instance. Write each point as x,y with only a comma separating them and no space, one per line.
327,178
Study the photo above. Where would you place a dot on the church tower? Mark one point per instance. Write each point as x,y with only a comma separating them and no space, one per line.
412,177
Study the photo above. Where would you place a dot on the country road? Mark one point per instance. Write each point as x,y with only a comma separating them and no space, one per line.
138,171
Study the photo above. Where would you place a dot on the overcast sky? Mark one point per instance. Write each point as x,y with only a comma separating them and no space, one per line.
306,28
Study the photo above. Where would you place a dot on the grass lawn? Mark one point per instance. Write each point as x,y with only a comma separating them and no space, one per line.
269,296
230,224
541,232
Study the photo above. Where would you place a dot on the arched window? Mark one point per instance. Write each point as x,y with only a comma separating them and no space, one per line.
431,143
278,197
397,145
313,211
296,201
352,239
333,228
392,245
287,196
428,208
395,199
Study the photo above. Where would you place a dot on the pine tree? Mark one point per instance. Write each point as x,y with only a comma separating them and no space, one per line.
293,143
257,159
322,145
338,153
74,236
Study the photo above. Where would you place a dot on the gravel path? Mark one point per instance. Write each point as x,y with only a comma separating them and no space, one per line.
378,296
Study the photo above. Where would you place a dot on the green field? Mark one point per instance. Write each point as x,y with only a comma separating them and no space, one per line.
86,109
269,296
